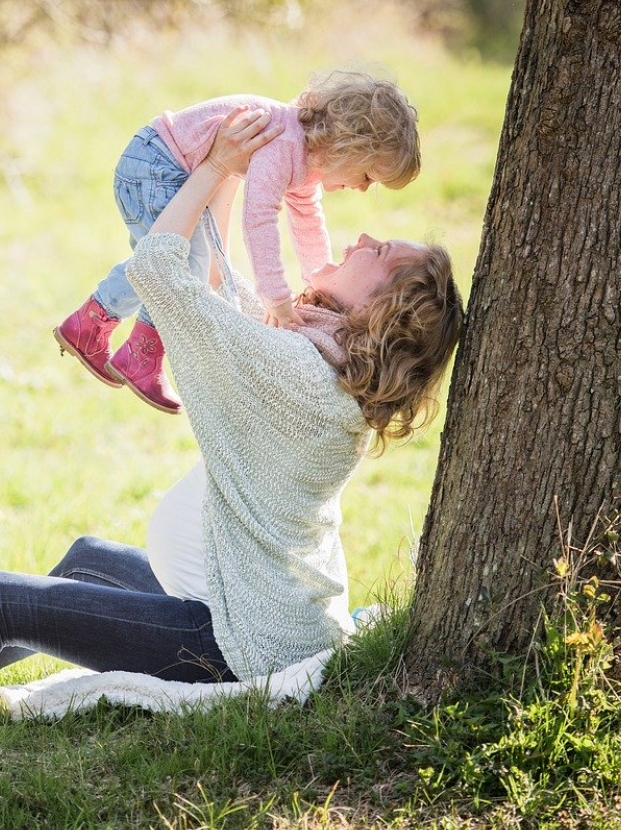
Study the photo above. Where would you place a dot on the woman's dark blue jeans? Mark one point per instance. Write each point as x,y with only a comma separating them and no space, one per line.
102,608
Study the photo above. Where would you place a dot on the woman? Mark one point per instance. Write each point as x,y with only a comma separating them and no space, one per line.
282,418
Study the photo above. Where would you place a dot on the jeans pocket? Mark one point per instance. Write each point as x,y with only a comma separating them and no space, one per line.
128,195
160,194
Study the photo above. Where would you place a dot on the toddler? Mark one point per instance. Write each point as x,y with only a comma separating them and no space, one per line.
345,130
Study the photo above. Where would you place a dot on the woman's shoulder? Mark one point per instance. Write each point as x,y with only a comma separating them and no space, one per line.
317,382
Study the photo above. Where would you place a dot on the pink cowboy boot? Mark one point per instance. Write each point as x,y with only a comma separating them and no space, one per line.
138,364
85,334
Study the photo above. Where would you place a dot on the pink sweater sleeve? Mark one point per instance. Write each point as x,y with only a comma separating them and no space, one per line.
308,228
267,180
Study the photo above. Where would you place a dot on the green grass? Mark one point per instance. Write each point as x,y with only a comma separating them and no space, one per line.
518,752
508,755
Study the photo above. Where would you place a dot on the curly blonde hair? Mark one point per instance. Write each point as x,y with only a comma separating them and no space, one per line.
355,118
399,345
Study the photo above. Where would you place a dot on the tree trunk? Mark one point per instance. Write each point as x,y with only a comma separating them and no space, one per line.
534,405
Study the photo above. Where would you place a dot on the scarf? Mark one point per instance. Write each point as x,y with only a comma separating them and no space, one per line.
321,326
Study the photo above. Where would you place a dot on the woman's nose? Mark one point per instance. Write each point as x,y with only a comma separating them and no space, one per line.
363,187
366,241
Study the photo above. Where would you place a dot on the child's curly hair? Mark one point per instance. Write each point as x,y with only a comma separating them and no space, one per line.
399,345
355,118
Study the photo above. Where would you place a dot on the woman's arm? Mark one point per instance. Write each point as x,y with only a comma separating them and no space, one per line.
220,206
238,138
182,213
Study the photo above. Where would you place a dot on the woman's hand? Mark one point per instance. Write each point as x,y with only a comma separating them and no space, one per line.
240,135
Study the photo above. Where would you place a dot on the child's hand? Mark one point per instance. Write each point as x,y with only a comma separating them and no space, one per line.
282,316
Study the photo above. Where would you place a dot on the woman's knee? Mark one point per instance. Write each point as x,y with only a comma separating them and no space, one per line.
86,544
102,562
81,551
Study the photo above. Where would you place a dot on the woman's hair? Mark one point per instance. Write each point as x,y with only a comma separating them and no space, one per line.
399,344
351,117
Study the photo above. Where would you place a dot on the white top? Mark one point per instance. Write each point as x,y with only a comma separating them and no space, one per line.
175,544
279,440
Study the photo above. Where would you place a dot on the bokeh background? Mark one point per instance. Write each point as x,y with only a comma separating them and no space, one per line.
77,78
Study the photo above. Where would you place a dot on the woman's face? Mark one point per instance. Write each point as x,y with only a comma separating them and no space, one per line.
365,267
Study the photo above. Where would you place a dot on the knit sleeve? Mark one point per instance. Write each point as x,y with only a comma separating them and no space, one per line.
183,306
207,341
308,228
250,304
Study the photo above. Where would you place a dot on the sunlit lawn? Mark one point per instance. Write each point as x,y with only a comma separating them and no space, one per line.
78,457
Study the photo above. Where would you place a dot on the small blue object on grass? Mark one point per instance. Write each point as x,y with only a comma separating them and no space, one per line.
365,616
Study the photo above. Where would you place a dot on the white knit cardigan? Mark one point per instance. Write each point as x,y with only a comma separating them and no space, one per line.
279,440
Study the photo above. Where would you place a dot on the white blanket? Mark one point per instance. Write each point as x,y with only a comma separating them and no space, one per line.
80,689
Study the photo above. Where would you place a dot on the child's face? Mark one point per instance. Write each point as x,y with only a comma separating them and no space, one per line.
344,175
366,266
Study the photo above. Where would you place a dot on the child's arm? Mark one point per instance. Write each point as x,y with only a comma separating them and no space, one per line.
282,315
308,229
269,174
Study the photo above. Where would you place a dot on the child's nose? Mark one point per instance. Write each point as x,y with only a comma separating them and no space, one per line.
363,186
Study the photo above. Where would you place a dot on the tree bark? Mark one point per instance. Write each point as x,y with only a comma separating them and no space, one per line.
534,405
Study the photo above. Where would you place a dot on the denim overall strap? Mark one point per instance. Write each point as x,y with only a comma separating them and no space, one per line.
228,280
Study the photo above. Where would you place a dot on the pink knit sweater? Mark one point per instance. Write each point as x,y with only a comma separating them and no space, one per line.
277,172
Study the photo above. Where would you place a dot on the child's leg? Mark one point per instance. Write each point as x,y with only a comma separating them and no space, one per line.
139,362
145,180
110,628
